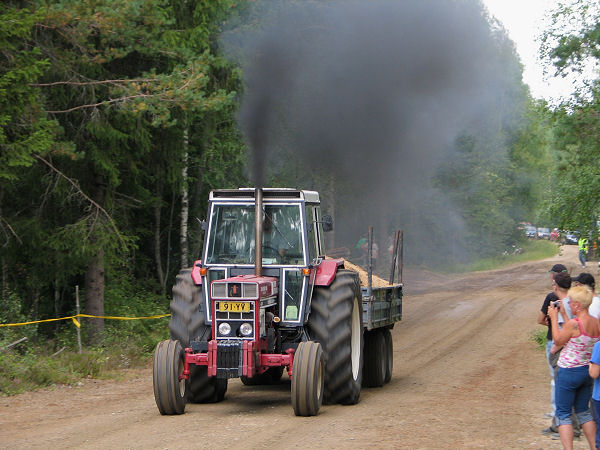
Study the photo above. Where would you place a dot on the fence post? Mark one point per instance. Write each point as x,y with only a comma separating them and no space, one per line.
78,319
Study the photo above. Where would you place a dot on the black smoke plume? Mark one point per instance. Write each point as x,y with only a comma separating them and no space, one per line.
362,101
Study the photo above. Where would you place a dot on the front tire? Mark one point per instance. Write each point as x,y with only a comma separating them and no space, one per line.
336,323
307,379
188,323
167,369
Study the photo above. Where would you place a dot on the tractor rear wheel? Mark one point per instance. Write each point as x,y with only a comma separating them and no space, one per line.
188,323
389,351
375,368
307,379
271,376
205,389
167,369
336,323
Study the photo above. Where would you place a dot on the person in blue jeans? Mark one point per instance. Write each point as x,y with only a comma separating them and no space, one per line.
594,371
573,382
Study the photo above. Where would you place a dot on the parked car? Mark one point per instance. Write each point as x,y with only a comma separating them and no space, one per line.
570,237
543,233
530,231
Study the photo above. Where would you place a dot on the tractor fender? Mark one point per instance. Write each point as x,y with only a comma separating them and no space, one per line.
326,271
196,277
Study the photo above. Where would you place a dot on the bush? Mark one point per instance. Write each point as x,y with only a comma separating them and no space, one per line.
539,337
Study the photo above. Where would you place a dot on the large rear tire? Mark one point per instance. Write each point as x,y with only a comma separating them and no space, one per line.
271,376
374,370
336,323
188,323
389,350
167,369
307,379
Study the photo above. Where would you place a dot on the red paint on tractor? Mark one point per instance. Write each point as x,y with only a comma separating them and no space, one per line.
326,271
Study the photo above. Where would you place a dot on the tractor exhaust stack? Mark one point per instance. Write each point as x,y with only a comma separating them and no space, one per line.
258,219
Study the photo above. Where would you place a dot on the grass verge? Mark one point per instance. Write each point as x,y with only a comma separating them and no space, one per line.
33,367
533,250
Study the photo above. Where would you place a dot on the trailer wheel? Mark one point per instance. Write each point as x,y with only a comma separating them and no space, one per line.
188,323
167,368
336,323
389,351
375,368
307,379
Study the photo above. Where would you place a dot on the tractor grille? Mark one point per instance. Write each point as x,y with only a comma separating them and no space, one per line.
229,359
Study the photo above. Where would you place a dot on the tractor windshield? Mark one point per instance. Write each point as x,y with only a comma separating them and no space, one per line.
231,235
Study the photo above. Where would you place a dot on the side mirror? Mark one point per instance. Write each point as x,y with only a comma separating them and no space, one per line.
203,224
327,223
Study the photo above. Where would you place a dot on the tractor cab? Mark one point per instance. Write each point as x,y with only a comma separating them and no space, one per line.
291,230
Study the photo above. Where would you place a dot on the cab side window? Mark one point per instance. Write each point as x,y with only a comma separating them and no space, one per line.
311,220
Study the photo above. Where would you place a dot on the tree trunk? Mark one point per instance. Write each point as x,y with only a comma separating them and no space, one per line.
94,276
157,256
184,202
197,200
94,297
4,295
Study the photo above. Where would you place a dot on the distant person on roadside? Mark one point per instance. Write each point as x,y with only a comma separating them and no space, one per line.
587,279
583,250
361,249
543,319
573,382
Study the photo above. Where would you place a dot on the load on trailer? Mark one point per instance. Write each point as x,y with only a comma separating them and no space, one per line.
264,298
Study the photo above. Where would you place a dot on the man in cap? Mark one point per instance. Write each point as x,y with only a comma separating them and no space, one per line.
587,279
557,271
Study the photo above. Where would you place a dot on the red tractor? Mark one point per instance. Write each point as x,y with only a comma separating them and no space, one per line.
264,299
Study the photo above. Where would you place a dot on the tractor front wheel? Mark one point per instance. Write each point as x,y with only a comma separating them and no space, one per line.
167,370
188,323
307,379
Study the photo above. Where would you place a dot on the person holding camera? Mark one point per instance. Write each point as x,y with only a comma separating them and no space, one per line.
563,285
573,382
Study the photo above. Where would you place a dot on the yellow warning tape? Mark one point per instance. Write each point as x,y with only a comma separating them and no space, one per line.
76,322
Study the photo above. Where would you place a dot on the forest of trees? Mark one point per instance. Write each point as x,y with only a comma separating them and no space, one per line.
117,117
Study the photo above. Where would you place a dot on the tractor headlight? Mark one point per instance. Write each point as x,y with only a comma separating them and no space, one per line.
246,329
224,329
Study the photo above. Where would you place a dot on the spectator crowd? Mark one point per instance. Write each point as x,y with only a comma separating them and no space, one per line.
571,313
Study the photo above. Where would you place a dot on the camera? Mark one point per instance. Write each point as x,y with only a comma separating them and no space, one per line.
556,304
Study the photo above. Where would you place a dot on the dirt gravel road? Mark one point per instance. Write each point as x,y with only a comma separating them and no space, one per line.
466,375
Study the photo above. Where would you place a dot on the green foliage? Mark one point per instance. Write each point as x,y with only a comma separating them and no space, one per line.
25,129
573,37
532,251
538,336
572,43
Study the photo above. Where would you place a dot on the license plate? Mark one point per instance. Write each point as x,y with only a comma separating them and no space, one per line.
233,307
